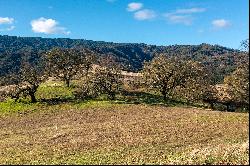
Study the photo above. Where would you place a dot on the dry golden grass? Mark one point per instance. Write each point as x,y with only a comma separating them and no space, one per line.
125,134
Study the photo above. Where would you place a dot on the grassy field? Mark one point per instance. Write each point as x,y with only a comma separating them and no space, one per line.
118,132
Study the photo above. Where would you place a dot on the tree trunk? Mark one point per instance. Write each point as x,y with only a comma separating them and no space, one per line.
67,82
164,93
33,97
164,97
212,105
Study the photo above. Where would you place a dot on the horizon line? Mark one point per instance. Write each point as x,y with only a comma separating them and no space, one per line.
122,42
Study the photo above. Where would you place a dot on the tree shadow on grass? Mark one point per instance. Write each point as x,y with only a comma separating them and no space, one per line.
137,97
56,101
126,97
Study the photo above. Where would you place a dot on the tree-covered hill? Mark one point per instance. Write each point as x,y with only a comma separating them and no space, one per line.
220,60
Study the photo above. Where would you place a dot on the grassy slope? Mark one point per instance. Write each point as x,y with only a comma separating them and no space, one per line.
103,132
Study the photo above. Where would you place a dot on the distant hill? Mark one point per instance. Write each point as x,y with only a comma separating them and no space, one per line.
219,59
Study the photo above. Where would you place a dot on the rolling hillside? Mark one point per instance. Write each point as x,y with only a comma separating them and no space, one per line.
107,133
220,60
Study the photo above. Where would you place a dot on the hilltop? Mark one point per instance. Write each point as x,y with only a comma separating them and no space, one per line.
131,56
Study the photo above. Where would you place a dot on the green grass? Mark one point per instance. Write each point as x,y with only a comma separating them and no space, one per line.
11,107
48,91
55,96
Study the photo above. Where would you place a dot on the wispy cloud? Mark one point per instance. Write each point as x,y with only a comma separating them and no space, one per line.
182,19
134,6
145,14
6,20
183,16
47,26
220,23
190,10
8,28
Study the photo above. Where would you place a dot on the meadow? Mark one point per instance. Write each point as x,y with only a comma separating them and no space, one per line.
137,129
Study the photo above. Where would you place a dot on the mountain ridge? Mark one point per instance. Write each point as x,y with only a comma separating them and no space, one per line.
110,42
130,56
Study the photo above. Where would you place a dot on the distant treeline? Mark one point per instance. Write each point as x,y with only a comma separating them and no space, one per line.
130,56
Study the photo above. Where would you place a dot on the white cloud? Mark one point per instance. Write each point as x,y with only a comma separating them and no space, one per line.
8,29
144,14
190,10
6,20
134,6
182,19
47,26
183,16
220,23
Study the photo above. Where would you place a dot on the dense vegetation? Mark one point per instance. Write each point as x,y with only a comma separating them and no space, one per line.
131,56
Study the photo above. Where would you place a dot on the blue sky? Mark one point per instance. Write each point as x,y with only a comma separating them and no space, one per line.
159,22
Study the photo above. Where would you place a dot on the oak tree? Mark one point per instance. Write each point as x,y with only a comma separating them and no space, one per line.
165,74
65,64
